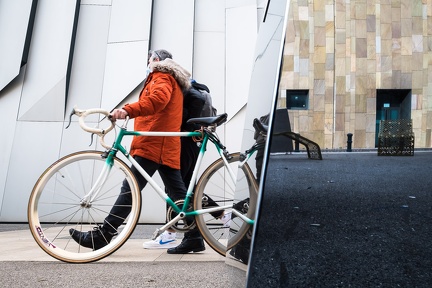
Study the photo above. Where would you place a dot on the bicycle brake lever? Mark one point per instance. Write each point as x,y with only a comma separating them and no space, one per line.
70,117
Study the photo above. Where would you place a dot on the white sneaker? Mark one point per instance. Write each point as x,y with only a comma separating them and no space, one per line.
226,219
164,241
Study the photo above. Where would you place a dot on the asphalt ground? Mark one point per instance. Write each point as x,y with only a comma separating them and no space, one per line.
349,220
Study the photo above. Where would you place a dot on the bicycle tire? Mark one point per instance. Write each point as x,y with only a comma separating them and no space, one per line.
54,205
215,184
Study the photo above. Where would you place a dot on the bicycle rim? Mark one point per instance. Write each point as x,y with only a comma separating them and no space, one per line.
55,205
216,188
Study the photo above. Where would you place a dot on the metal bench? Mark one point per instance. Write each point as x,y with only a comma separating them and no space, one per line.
313,149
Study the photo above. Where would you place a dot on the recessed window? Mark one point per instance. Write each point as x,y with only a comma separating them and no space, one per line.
297,99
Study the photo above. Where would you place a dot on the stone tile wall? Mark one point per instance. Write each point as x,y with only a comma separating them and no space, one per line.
342,51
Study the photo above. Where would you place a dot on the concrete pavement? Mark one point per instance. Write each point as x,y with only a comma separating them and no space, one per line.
24,264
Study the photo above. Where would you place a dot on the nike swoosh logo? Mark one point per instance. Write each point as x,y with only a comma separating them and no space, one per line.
165,242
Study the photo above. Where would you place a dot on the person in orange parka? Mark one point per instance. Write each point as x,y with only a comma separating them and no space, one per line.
159,108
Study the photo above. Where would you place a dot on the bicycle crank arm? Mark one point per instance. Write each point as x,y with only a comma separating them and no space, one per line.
159,231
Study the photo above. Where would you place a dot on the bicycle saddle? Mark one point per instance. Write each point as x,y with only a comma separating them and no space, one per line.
209,121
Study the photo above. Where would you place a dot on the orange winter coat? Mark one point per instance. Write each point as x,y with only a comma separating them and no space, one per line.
160,108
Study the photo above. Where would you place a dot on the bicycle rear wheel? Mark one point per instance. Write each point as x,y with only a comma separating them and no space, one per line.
55,205
216,188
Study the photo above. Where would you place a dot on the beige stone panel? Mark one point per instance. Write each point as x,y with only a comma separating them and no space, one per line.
319,55
303,29
303,83
361,84
406,27
318,101
330,62
330,29
417,25
286,81
361,67
359,139
319,36
406,64
340,85
370,8
328,141
340,51
371,84
340,140
328,126
371,23
319,71
386,31
360,121
406,46
360,10
396,29
395,3
386,47
340,38
340,5
416,116
370,123
288,63
319,18
303,13
396,79
417,61
318,137
328,108
329,78
417,42
339,121
340,103
386,80
427,60
360,104
386,64
371,105
370,140
406,81
361,48
429,22
378,83
417,8
340,21
318,121
386,15
318,5
329,11
330,45
417,79
303,124
396,46
371,45
406,9
371,66
304,48
319,87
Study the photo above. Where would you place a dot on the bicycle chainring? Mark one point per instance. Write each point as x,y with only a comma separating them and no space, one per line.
182,225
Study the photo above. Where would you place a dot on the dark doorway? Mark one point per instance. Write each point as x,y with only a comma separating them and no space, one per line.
392,104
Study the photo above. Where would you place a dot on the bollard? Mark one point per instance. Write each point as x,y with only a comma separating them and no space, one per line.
349,142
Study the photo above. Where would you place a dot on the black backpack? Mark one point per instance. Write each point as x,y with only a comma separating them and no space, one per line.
208,109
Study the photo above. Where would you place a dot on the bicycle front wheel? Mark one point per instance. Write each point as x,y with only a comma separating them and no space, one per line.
57,204
216,188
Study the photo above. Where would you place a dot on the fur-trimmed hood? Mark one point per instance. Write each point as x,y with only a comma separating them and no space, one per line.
181,75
